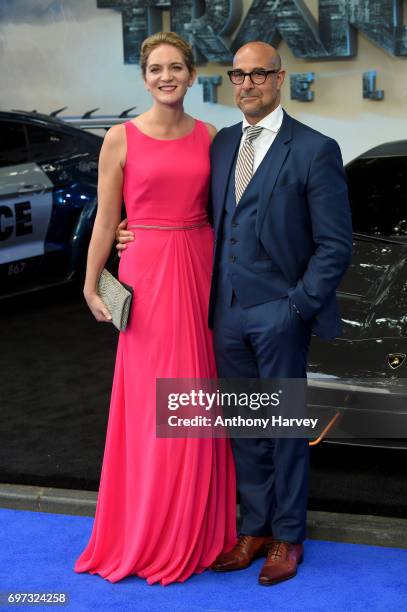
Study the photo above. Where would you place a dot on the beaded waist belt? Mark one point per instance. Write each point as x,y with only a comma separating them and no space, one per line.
170,227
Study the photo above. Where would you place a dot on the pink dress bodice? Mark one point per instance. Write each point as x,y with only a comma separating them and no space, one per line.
166,182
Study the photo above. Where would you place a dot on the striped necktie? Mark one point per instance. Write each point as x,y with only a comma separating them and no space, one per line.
245,159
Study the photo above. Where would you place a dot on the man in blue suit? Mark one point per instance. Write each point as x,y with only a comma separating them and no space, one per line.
283,242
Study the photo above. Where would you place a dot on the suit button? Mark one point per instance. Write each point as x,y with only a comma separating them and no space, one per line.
232,258
233,241
234,224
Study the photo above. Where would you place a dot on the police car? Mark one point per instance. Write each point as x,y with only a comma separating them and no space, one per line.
48,181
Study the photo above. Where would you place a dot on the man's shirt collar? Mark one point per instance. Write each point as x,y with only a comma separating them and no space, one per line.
271,122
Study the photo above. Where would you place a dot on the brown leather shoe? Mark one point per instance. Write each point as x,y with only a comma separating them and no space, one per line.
281,563
246,550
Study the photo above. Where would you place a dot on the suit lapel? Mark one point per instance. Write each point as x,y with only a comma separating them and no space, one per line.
271,167
225,161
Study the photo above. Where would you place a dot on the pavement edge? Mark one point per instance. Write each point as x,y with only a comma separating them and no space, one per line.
329,526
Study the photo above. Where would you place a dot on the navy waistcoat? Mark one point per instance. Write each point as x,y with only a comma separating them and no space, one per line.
244,267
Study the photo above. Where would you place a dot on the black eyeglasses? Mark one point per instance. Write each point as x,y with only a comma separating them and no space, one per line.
257,76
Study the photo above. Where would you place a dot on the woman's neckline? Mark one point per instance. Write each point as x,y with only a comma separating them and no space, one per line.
165,139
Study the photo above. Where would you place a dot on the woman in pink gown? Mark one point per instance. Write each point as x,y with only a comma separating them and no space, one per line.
166,507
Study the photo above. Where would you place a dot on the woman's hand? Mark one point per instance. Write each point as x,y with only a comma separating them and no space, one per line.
123,235
97,307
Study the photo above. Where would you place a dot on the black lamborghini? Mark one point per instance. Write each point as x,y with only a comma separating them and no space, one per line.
361,377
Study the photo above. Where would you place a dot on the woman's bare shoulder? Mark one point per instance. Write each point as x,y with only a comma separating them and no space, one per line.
115,136
211,130
114,143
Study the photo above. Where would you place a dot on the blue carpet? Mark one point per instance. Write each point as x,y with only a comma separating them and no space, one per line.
38,551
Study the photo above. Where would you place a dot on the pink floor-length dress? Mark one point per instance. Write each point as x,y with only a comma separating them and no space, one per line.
166,507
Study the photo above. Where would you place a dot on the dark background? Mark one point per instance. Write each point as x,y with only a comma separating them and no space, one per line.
56,365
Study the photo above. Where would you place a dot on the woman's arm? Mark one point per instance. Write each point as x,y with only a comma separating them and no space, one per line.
110,196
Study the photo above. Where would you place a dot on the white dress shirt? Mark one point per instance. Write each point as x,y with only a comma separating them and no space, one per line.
270,124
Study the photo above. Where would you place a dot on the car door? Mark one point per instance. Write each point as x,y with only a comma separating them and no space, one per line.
25,209
56,149
377,194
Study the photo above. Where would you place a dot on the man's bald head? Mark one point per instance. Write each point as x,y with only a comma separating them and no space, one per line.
267,51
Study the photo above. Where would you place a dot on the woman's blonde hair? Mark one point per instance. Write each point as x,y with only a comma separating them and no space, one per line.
166,38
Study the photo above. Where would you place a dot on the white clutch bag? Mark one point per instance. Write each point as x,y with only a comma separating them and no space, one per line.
117,297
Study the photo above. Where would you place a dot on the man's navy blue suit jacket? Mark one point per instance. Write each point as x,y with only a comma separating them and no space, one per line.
303,217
